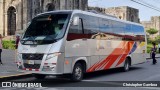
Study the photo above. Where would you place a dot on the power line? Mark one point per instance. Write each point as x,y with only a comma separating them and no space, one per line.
149,4
141,2
146,5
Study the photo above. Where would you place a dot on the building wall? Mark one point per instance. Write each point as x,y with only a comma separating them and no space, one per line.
16,4
97,9
133,14
124,13
27,9
1,16
119,12
147,24
156,23
153,23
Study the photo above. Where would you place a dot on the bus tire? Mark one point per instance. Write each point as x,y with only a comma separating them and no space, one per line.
77,74
39,76
126,65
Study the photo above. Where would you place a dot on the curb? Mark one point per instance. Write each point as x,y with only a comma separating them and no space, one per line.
151,58
11,77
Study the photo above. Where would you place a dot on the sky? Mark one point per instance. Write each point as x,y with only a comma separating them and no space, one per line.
145,13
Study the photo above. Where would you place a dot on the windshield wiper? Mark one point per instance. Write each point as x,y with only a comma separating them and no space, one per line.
32,39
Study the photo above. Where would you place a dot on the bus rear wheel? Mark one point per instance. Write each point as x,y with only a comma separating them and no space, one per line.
126,65
77,74
39,76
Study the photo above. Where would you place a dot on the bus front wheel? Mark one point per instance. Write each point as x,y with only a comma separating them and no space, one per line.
77,74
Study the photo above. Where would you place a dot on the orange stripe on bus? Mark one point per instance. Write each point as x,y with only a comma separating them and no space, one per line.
110,59
129,48
115,55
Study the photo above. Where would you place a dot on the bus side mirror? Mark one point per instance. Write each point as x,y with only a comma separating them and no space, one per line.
76,21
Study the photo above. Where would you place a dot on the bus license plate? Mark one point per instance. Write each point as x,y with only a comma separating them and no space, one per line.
30,62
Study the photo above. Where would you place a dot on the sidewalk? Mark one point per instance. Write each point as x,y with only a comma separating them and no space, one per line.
148,56
9,68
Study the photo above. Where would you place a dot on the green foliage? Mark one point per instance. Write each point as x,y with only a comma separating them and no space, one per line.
8,44
150,41
157,39
149,46
152,31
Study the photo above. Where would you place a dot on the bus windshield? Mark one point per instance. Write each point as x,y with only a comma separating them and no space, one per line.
46,29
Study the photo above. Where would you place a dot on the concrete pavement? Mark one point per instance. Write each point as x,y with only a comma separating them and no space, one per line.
9,69
149,57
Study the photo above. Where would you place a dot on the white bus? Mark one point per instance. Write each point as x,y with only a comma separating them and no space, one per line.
75,42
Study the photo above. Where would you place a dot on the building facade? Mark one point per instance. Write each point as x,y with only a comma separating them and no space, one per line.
153,23
124,13
97,9
15,14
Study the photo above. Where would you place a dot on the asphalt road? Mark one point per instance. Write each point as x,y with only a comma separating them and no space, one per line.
100,80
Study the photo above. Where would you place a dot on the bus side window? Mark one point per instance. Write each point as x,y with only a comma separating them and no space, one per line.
105,28
75,31
91,27
118,29
139,34
129,34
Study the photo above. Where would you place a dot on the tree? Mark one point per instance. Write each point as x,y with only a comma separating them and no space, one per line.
158,39
152,31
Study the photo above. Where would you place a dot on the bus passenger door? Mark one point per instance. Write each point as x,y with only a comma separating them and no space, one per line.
76,46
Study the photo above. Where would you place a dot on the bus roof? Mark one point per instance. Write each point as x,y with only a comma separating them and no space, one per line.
93,14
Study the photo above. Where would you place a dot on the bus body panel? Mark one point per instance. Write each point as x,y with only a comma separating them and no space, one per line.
99,52
56,62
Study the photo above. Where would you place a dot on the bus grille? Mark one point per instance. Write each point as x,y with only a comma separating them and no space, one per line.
35,66
32,56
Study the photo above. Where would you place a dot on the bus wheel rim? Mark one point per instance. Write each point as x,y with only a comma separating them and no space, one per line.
78,73
127,66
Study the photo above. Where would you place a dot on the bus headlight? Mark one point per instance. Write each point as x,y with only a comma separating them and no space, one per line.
49,56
